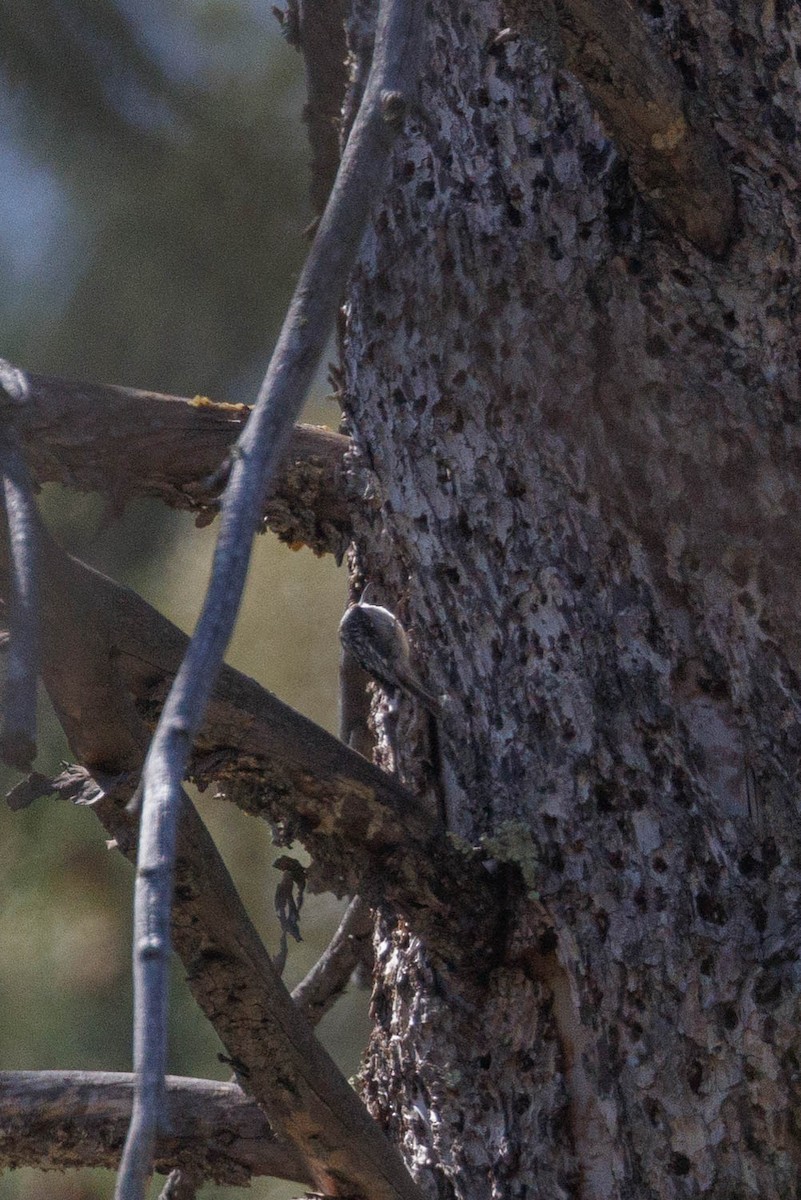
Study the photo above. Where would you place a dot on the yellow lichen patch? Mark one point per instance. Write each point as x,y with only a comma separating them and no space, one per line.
220,405
668,139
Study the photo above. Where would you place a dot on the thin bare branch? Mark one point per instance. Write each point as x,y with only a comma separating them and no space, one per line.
259,451
126,443
321,33
675,157
56,1120
328,978
18,739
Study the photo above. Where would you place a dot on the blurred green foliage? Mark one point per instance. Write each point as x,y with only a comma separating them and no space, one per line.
152,204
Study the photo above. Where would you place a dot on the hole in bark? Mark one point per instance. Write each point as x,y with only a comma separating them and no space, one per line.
485,1062
710,909
768,989
554,250
770,854
748,865
513,215
695,1075
783,128
548,942
687,71
659,864
679,1164
656,346
760,914
555,859
604,797
716,688
730,1020
736,42
514,484
602,921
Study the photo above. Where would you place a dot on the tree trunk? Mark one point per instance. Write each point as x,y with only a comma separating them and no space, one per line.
577,429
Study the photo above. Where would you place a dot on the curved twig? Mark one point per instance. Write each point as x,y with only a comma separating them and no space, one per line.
18,739
257,456
328,978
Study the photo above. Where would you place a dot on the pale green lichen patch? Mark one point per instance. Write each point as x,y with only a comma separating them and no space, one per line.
513,842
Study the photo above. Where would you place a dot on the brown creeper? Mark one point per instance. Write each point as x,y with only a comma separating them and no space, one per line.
378,642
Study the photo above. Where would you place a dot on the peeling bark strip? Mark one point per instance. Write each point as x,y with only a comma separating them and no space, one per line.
676,159
56,1120
126,443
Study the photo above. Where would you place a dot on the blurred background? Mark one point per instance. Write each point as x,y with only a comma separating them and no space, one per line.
153,197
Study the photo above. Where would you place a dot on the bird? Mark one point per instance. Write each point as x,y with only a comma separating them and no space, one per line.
378,642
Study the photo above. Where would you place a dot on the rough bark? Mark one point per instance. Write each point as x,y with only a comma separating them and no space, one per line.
581,435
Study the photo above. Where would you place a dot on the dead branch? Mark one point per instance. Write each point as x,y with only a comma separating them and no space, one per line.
56,1120
126,443
321,30
328,978
675,157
